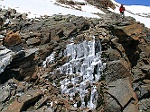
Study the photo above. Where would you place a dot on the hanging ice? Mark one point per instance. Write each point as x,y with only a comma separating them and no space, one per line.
84,67
49,59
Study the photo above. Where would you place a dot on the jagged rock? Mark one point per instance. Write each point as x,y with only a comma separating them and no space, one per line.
102,3
137,74
12,39
134,30
145,52
80,23
144,105
6,91
40,102
142,88
121,97
68,29
25,66
6,56
146,69
45,38
55,38
33,41
116,70
25,101
112,54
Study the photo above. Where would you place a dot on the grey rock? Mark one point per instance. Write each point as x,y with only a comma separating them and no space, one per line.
4,93
144,105
146,68
33,41
116,70
6,57
119,94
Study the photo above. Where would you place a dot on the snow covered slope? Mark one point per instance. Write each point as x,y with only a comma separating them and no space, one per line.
37,8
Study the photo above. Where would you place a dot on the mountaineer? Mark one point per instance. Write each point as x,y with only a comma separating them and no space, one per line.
122,9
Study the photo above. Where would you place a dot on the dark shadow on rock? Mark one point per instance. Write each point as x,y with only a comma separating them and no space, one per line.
131,51
130,45
6,75
28,104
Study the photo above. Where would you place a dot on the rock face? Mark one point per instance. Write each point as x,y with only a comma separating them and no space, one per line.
58,63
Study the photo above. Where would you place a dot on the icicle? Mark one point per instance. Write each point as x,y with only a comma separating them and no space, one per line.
50,59
85,60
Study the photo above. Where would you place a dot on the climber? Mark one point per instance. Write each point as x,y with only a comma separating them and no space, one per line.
122,9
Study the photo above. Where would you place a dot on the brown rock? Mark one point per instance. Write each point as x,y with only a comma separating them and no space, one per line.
1,42
107,3
12,39
23,101
45,38
55,38
135,31
146,81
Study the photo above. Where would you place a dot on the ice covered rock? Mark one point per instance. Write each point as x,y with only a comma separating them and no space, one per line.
6,57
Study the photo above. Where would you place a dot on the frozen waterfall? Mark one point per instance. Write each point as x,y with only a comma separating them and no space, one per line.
85,60
83,70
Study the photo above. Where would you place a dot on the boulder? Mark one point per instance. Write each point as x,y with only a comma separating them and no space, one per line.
25,101
12,39
134,30
121,97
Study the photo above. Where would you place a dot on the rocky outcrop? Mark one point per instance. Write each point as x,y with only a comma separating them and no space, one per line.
127,47
36,49
102,3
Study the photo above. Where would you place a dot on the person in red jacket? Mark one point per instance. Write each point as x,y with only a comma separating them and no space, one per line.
122,9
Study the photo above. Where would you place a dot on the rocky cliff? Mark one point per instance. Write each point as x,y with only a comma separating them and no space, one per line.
68,63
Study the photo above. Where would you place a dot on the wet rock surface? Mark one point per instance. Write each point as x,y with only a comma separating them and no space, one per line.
33,50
